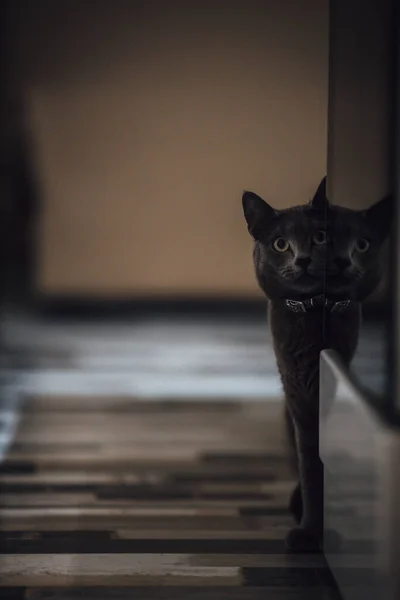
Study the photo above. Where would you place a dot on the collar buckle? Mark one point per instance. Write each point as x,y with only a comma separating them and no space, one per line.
296,306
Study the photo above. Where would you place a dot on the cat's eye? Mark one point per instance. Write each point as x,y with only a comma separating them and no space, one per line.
281,245
362,245
319,238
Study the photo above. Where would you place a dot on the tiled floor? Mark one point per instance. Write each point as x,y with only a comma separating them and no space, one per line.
148,455
173,499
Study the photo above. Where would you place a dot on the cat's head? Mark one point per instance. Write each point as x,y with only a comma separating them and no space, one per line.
317,248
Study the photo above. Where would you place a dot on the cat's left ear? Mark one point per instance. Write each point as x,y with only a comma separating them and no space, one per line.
320,200
258,214
380,215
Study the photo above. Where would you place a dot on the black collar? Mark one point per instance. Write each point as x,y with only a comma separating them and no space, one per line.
306,305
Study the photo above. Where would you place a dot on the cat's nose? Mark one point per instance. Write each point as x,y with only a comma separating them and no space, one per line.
342,263
303,262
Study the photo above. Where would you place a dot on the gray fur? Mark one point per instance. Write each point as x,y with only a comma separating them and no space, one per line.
347,266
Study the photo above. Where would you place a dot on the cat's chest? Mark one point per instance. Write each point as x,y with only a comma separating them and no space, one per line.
299,338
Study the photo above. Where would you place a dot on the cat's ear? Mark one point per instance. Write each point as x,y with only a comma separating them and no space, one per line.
257,213
380,215
320,200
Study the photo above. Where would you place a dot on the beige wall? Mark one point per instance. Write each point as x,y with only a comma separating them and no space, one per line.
149,118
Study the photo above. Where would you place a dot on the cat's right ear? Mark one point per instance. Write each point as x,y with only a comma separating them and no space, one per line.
257,213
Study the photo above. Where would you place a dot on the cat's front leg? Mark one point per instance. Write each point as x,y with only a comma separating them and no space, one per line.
308,536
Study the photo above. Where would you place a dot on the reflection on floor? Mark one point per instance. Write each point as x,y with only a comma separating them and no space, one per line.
161,358
149,455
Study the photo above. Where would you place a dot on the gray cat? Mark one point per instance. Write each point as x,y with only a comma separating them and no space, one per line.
315,263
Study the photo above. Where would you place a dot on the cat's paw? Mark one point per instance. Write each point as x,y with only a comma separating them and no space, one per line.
296,504
303,540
